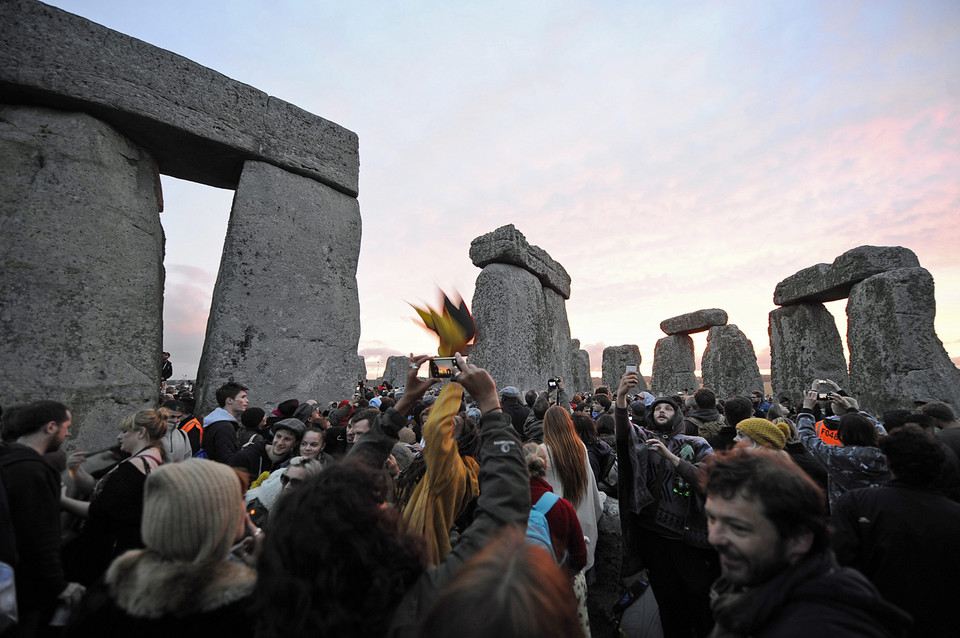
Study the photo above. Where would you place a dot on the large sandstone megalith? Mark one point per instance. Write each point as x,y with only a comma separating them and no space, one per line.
523,336
395,372
285,317
582,381
729,363
674,366
81,271
615,362
895,355
510,315
804,345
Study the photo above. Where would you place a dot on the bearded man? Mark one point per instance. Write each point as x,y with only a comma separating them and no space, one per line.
661,511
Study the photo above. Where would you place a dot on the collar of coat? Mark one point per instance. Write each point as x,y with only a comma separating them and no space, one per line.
145,585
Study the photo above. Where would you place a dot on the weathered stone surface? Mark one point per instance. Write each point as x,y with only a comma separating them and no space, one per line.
829,282
615,362
561,350
507,245
581,369
804,345
674,366
895,355
692,322
81,270
198,124
361,367
513,341
260,331
395,372
729,363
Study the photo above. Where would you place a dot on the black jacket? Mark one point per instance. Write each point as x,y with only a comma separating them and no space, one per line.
814,597
254,459
33,494
904,539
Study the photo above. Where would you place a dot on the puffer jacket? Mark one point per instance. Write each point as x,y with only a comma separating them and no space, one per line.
848,467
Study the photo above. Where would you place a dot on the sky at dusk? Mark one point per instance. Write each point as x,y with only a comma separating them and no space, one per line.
672,156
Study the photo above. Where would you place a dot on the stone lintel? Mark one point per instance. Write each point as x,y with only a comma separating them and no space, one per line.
198,124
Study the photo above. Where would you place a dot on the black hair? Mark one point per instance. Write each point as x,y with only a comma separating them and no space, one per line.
23,420
229,390
915,457
335,558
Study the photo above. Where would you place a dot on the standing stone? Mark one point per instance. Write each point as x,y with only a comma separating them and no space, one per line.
895,355
615,362
559,334
285,317
582,383
513,341
674,366
804,345
361,367
81,270
729,363
395,372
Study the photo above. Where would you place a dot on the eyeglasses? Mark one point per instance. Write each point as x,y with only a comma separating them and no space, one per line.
284,479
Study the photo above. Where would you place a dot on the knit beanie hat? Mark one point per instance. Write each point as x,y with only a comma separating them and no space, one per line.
251,418
192,510
763,432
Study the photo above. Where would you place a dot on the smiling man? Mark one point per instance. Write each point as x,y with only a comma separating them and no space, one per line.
258,457
768,522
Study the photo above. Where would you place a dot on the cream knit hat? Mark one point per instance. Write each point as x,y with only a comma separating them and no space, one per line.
192,510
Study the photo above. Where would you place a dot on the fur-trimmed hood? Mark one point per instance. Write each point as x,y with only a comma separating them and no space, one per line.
144,585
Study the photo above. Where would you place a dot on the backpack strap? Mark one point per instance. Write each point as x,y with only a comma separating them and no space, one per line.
546,502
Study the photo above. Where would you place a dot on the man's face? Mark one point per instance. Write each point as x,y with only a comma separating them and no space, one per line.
60,434
237,404
751,551
663,413
283,442
174,419
755,398
293,477
355,430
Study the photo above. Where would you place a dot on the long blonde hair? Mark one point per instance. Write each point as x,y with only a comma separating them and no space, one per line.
568,456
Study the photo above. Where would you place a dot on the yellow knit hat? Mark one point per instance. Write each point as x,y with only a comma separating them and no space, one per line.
763,432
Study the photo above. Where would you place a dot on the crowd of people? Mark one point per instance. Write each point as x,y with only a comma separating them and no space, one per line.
442,509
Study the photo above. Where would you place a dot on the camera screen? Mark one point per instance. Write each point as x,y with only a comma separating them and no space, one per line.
443,367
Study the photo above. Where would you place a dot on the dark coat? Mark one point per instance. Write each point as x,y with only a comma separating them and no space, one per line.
904,539
145,596
33,494
814,597
254,459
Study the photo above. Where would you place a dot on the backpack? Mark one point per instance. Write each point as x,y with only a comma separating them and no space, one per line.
194,431
538,529
708,429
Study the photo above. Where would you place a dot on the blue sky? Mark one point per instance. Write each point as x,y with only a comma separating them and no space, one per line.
672,156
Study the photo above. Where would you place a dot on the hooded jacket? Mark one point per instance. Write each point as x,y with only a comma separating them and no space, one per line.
848,467
666,499
220,435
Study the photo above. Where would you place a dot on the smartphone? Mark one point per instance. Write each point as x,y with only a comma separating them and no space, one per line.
631,368
443,368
